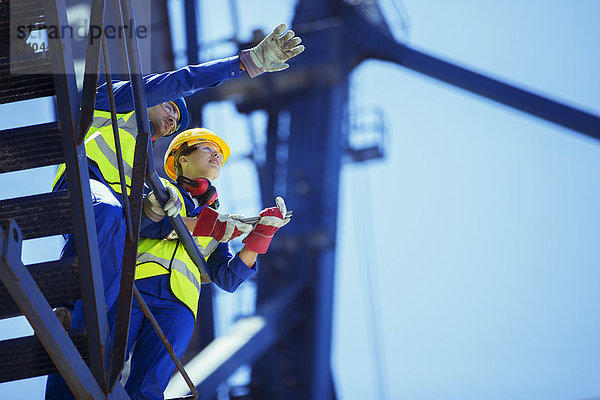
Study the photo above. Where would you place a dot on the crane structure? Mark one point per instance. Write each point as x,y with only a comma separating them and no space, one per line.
290,353
288,340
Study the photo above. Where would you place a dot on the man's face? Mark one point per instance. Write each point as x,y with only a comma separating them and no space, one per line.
204,162
164,117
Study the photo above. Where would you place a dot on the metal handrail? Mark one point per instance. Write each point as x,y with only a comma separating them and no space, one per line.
125,297
115,126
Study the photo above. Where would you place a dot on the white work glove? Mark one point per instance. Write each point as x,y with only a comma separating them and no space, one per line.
272,52
221,227
271,219
156,212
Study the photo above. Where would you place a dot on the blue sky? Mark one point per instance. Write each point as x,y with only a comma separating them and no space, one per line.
478,229
484,218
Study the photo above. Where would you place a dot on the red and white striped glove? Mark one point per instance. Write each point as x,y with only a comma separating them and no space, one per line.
271,219
221,227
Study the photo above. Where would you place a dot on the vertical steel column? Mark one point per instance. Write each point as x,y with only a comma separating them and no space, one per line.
298,367
191,32
204,331
267,173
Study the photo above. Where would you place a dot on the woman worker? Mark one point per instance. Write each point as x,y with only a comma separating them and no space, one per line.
166,276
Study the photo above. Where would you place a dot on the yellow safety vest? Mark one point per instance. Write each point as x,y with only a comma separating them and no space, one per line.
160,257
100,147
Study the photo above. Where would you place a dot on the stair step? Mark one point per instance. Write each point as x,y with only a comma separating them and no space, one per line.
26,77
40,215
14,15
21,12
25,357
30,147
58,280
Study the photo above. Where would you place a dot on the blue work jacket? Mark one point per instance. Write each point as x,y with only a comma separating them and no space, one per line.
170,85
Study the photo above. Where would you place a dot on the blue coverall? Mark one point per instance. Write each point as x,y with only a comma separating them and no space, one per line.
151,365
108,210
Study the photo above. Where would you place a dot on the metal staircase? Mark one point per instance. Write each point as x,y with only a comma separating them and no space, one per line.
79,355
32,290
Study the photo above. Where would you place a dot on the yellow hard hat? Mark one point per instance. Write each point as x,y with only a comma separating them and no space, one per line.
192,137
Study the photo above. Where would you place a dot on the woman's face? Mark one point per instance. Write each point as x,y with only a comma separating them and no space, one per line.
204,162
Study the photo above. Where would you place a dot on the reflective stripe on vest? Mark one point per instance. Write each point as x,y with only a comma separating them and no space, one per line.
176,265
158,257
100,147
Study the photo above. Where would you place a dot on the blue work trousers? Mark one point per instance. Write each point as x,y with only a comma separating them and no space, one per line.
151,365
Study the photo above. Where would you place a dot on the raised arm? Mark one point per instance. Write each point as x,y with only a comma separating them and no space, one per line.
270,55
171,85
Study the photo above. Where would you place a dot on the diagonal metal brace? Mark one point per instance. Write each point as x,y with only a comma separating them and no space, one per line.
35,307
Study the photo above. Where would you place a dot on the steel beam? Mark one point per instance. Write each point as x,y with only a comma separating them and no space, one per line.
371,42
512,96
84,225
191,32
48,329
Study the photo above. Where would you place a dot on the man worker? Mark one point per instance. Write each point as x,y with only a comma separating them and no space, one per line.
166,276
167,114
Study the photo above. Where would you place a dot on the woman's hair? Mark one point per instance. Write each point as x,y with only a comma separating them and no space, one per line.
183,150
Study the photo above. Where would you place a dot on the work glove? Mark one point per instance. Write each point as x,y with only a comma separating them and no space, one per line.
156,212
221,227
272,52
271,219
